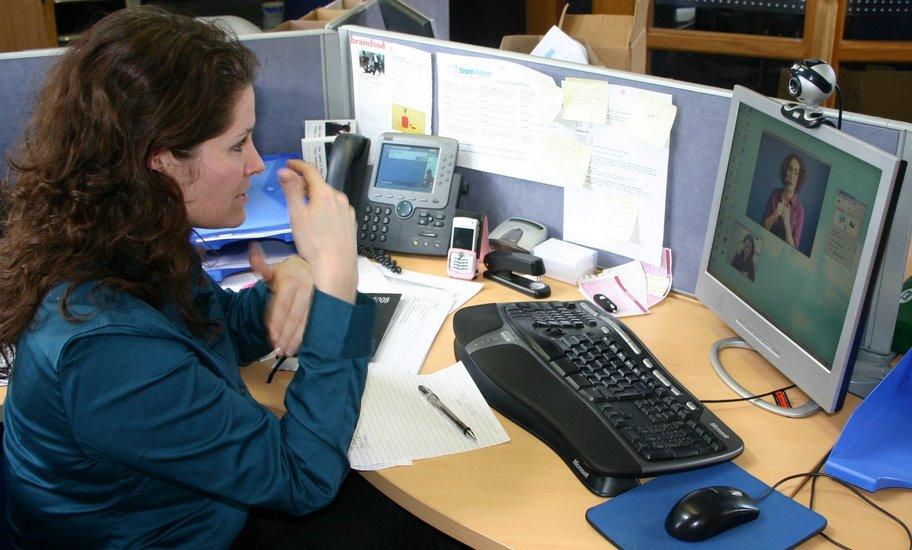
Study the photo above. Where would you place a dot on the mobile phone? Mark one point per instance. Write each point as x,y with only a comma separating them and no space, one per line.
462,258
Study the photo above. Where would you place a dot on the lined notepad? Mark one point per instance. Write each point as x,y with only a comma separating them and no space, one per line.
398,425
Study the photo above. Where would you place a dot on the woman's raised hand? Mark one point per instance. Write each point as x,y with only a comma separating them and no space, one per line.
323,227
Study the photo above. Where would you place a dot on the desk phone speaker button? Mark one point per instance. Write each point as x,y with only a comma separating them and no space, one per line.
438,224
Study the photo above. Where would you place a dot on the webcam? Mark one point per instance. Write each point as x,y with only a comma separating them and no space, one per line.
811,81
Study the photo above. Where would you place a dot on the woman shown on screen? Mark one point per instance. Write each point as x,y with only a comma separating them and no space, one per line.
744,258
784,215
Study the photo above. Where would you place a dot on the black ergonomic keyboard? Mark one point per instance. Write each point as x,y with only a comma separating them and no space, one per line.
583,383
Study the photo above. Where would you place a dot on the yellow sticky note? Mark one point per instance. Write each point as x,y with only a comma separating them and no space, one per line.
585,100
652,120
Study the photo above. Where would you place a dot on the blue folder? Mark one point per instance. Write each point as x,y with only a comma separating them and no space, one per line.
267,215
636,519
875,449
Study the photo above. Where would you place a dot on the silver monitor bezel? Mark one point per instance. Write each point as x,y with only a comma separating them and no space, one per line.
825,387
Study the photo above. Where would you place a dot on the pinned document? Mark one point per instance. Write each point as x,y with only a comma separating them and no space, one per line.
391,87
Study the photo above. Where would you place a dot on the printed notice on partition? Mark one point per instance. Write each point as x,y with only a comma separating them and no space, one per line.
392,87
504,116
622,208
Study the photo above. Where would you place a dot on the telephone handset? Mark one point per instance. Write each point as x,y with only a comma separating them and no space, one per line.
346,163
409,203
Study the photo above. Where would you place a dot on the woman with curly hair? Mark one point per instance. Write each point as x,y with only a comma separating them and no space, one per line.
784,214
127,423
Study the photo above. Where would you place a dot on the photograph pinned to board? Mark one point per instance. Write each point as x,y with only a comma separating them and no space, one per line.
392,87
328,128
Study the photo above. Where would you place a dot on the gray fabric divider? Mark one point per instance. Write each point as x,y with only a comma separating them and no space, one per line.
19,87
696,147
289,89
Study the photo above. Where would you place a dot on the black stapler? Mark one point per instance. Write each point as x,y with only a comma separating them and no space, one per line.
501,265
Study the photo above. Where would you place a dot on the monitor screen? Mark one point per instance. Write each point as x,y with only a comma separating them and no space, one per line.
792,241
401,18
407,168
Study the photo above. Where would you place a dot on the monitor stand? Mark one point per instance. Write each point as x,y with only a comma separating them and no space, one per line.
807,409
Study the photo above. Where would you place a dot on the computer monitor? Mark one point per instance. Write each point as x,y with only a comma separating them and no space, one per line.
794,236
401,18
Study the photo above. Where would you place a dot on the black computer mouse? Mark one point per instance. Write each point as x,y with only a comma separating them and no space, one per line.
706,512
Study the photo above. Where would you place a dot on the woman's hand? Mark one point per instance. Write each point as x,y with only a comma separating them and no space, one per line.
292,285
323,226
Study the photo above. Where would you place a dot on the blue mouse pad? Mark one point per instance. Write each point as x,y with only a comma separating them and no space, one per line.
636,519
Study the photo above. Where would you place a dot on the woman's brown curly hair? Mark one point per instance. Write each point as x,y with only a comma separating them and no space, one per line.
82,202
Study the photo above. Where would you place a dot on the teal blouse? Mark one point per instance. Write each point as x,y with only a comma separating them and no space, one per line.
126,430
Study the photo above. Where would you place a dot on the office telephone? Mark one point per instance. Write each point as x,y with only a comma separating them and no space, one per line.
409,202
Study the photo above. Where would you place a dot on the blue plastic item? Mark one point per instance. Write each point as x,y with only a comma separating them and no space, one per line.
874,450
636,519
267,215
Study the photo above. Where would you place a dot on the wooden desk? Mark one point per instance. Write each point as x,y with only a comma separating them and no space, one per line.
522,495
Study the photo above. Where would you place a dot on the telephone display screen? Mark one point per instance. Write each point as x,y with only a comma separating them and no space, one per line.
463,238
407,168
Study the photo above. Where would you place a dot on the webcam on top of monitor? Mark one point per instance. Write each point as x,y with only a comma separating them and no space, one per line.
811,82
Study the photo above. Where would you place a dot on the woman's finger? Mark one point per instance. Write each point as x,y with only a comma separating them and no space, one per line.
295,322
257,259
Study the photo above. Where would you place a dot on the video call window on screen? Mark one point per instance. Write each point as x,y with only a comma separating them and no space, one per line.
408,168
793,217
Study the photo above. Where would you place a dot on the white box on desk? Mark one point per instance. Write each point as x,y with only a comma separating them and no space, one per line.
566,261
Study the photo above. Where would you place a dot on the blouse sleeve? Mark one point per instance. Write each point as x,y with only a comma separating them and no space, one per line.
155,408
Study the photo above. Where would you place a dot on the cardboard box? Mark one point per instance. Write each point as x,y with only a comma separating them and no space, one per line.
617,41
319,17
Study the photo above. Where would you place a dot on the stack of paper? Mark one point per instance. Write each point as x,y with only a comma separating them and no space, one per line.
633,287
425,302
398,425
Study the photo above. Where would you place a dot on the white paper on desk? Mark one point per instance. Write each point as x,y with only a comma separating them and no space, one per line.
397,424
373,277
556,44
585,100
658,279
625,196
391,87
503,115
625,285
412,329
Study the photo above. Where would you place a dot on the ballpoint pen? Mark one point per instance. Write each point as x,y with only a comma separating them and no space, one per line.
435,401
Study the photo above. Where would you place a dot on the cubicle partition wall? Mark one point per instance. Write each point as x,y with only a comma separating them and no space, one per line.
695,149
290,86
